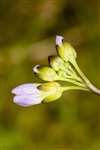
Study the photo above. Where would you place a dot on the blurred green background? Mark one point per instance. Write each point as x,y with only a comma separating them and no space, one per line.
27,36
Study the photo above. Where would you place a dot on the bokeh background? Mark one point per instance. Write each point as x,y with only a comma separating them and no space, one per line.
27,36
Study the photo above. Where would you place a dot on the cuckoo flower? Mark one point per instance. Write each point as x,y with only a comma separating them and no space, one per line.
31,94
63,67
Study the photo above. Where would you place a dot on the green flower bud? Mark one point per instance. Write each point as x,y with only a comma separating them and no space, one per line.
56,63
66,52
45,73
52,91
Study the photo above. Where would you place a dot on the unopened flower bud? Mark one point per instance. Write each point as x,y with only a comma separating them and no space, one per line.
45,73
66,51
52,89
56,63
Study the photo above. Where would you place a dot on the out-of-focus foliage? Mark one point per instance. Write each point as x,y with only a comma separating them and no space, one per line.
27,34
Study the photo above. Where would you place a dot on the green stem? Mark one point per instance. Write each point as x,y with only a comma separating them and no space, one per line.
72,74
74,88
89,85
76,78
73,82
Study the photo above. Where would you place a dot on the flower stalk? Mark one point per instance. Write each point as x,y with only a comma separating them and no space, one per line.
89,85
66,88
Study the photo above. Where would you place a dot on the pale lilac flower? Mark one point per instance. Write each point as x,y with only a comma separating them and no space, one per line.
59,40
27,95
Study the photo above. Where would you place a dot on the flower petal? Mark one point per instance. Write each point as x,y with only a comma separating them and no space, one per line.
59,40
27,100
25,89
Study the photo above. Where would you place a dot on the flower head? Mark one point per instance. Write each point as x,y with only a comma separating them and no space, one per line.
31,94
63,68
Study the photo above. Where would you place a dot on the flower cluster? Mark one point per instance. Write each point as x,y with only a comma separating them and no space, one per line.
61,67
